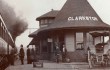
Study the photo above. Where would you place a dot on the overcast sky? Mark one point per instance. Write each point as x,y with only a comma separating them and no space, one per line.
30,9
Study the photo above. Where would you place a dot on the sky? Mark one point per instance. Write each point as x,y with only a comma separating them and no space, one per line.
31,9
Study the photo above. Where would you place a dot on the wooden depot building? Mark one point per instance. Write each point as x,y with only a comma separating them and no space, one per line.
77,26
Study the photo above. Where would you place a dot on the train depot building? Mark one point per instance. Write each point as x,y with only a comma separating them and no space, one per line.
77,26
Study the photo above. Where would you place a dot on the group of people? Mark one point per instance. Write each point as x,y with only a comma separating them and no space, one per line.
30,54
61,54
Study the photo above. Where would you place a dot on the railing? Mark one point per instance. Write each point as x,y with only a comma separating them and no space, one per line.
4,62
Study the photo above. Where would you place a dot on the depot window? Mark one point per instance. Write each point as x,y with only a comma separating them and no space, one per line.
79,41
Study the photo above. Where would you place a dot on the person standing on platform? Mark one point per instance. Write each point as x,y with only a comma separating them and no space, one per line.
58,54
21,54
64,53
28,55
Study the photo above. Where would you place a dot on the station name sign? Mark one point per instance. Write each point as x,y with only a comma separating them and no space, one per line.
79,18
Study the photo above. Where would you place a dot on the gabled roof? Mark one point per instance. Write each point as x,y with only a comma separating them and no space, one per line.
50,14
76,8
73,8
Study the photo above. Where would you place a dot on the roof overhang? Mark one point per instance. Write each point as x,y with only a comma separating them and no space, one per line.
99,33
93,30
34,41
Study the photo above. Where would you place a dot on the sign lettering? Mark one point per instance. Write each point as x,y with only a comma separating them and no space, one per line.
79,18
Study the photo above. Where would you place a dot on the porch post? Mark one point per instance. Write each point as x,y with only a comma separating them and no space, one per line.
89,59
85,41
75,40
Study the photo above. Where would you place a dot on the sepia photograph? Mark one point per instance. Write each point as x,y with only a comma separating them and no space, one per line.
54,35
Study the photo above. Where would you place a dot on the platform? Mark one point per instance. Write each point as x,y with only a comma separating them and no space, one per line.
55,66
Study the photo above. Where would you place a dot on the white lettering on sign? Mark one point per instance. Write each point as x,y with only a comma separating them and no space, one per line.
82,18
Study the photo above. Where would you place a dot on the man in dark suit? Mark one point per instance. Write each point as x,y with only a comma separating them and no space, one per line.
21,54
64,53
28,55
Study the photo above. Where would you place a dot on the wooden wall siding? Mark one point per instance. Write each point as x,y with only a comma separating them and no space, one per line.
77,56
69,41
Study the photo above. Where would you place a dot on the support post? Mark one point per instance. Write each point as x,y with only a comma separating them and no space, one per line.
89,58
85,41
75,41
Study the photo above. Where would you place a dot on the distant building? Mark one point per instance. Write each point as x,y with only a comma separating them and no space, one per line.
77,26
